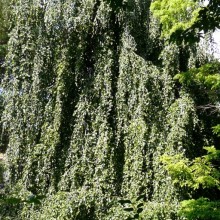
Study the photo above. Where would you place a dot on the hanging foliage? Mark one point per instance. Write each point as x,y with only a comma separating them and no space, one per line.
90,110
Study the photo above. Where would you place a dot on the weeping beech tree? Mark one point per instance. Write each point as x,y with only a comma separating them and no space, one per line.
90,108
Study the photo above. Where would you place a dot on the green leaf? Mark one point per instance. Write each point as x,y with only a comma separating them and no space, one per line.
129,209
140,210
136,216
140,197
124,201
12,200
140,205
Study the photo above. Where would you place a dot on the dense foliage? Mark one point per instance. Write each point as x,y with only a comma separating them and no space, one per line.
92,107
4,26
4,31
202,173
187,20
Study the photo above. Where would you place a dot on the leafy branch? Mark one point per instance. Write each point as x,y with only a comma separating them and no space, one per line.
133,207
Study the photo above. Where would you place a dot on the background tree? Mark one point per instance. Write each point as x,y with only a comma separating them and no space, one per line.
187,20
4,31
4,27
200,174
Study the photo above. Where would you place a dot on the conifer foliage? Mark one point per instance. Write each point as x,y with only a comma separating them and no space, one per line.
90,110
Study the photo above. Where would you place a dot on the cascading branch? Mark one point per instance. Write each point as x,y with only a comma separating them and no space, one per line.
90,109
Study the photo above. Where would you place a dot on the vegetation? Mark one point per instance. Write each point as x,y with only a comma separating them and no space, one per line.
105,119
1,169
4,32
186,20
201,173
4,27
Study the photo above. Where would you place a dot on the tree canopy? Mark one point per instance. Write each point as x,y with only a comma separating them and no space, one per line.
97,104
186,20
4,26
